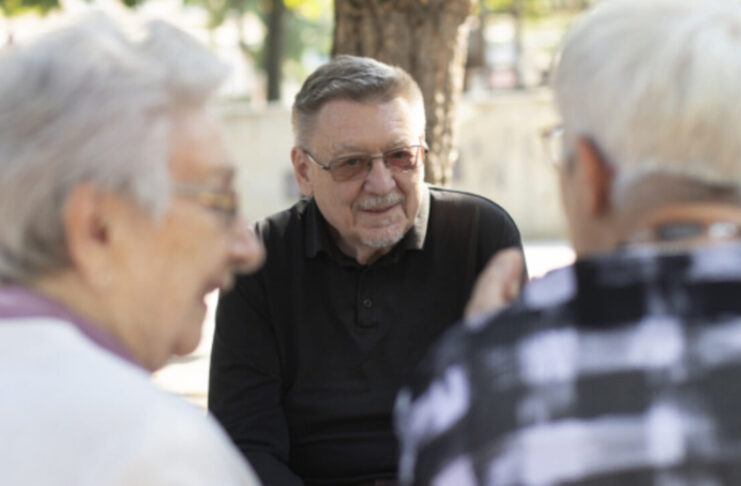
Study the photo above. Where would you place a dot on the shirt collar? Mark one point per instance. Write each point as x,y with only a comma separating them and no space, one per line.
415,237
318,238
21,302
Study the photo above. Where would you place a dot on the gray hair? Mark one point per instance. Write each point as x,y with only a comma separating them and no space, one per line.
351,78
654,84
88,104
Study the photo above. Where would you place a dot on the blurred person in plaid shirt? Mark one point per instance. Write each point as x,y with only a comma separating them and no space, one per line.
624,368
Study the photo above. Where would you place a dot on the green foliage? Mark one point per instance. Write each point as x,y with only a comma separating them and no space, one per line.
306,29
132,3
12,8
309,9
219,10
532,8
307,24
529,7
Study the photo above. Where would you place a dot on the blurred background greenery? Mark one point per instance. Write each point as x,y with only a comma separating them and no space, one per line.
483,66
495,57
510,42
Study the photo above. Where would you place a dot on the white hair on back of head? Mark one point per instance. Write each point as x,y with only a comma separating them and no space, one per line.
654,83
87,104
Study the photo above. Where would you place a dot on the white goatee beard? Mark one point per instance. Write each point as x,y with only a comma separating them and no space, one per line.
385,241
388,237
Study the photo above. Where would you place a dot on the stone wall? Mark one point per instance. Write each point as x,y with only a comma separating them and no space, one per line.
501,157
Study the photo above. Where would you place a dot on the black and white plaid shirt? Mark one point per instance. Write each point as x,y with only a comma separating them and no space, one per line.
621,370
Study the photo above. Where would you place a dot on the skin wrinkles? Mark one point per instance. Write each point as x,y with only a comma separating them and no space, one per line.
142,278
367,216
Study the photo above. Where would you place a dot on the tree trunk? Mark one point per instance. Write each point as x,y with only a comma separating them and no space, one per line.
274,49
428,39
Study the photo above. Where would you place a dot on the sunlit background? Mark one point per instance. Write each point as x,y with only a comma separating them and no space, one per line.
505,105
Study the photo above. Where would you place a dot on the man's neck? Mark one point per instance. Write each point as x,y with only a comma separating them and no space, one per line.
364,255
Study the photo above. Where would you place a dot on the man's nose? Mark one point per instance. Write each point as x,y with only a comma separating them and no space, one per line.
379,180
246,252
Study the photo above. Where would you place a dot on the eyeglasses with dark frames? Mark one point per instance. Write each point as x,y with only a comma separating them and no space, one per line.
225,203
354,167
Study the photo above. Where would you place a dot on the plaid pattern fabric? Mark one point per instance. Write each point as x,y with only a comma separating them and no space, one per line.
622,370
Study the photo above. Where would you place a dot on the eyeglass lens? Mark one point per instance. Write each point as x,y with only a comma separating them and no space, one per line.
357,166
224,204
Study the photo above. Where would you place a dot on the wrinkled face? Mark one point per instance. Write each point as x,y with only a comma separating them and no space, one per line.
373,213
165,267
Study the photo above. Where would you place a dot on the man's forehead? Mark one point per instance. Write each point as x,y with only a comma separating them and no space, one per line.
394,142
341,107
350,126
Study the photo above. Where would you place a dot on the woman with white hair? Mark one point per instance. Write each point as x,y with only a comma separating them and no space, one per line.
119,215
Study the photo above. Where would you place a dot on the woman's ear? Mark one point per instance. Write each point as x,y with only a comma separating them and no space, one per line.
86,230
596,175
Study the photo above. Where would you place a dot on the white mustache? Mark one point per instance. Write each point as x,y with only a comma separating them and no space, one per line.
380,202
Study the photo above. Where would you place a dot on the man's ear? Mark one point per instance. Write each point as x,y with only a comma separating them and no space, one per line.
596,176
87,232
301,170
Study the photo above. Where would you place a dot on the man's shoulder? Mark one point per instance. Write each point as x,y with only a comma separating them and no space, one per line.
443,196
287,216
290,219
454,205
459,212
